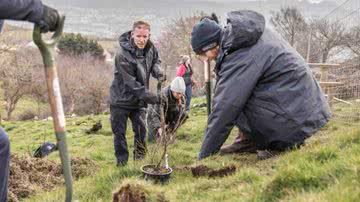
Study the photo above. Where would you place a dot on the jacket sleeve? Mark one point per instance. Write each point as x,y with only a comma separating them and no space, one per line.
128,75
235,85
156,70
181,70
27,10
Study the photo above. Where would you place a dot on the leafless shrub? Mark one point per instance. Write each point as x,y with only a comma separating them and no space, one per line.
84,83
16,78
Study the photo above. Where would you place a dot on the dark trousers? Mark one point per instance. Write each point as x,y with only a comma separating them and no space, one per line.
188,95
119,117
4,164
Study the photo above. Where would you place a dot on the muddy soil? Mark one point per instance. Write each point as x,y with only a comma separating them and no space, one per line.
204,171
130,193
82,167
200,171
137,193
28,174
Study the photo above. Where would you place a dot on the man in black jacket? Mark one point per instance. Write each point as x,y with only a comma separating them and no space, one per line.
32,11
263,86
135,61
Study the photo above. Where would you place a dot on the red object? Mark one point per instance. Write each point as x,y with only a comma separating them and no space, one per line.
181,70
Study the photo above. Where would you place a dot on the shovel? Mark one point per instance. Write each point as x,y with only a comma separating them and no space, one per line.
47,49
207,75
162,115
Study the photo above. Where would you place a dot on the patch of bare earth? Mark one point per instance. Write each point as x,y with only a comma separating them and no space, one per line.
130,193
136,193
28,175
201,171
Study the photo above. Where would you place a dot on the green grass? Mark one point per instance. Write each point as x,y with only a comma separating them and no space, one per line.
327,168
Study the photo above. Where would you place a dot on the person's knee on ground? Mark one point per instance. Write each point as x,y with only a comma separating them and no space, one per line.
151,132
151,137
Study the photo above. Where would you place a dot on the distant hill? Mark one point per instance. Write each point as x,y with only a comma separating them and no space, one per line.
109,18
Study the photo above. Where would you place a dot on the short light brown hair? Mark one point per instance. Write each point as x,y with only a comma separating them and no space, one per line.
141,24
184,58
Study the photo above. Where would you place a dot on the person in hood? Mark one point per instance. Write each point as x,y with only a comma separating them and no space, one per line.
136,60
263,86
173,106
47,18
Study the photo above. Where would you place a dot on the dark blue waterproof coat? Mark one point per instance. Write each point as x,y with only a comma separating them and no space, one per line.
263,86
29,10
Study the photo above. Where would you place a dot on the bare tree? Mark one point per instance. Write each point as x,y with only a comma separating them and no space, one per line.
72,72
16,79
290,23
38,89
352,40
328,35
10,43
7,44
96,85
176,41
85,83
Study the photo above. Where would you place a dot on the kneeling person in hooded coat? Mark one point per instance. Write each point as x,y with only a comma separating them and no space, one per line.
173,107
263,85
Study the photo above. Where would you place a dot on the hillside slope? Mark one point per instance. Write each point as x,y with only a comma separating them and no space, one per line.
325,169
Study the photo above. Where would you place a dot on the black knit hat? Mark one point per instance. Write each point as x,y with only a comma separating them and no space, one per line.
205,35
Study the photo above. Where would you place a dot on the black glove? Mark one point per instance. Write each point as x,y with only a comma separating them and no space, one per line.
152,98
49,20
162,77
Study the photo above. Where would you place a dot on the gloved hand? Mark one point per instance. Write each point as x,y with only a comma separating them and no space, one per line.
152,98
162,77
49,20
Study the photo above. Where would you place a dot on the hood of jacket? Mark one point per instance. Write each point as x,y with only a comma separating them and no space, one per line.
126,43
244,28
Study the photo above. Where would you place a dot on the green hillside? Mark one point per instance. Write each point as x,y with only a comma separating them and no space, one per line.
327,168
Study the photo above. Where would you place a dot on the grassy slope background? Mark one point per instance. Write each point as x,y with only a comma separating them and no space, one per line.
326,169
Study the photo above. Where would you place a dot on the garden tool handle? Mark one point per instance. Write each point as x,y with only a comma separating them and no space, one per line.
207,75
41,43
162,116
47,49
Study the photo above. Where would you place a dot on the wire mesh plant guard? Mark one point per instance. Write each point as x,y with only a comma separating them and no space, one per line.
159,170
342,81
345,102
341,86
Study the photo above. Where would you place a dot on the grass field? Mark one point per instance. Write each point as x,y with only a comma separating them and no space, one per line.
327,168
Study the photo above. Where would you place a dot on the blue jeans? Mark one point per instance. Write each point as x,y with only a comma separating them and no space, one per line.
4,162
188,94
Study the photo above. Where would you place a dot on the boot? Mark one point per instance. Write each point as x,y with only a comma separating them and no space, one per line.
240,145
